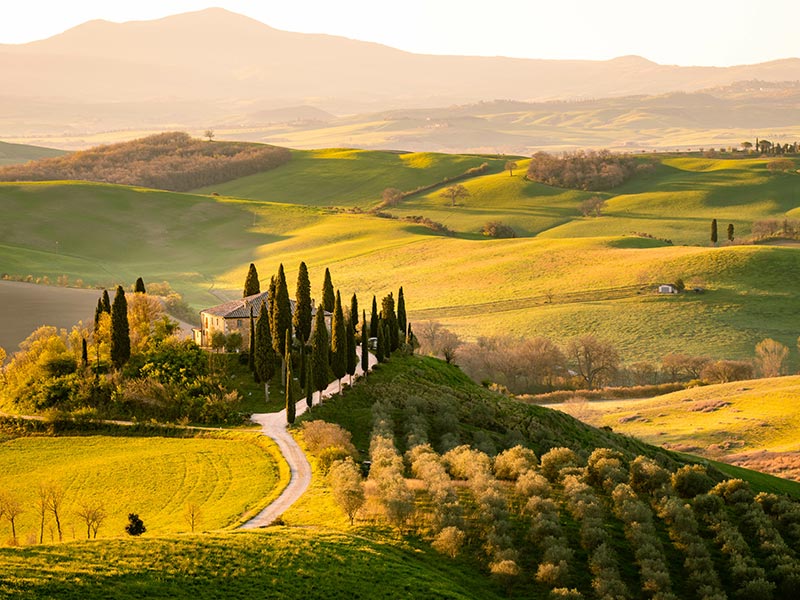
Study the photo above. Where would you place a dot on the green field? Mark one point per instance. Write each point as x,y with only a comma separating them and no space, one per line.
227,476
569,274
12,154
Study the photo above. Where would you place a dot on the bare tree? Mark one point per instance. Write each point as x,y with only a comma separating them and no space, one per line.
209,134
771,357
510,166
454,192
428,333
593,206
54,496
10,508
595,360
192,514
448,343
93,515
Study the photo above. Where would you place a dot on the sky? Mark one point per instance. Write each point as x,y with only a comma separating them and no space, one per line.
680,32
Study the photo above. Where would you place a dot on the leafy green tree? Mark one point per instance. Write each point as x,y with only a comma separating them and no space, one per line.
338,342
302,309
730,232
352,353
264,351
138,287
319,353
373,319
402,320
251,358
135,526
390,318
364,343
106,302
120,331
510,166
290,400
251,283
454,192
713,231
328,296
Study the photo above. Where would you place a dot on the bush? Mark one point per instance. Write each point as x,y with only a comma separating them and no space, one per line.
319,435
691,480
511,463
449,541
646,476
496,229
135,526
556,459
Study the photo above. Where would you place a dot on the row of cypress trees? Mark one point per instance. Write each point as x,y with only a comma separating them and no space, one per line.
319,355
120,328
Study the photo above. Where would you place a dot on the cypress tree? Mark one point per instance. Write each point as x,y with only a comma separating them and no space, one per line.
282,313
302,310
354,312
309,388
120,330
380,348
402,321
338,342
730,232
410,339
328,297
106,302
387,339
251,359
138,287
364,343
352,352
303,369
272,292
84,353
97,312
389,317
264,352
251,283
290,402
713,231
373,319
319,354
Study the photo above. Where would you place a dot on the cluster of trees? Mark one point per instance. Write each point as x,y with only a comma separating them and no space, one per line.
283,340
591,171
776,228
769,148
128,364
171,161
496,229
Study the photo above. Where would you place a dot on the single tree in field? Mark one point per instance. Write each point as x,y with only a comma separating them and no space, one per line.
389,316
354,312
730,232
291,409
192,514
373,319
251,355
352,350
454,193
391,196
264,351
106,302
302,310
364,343
251,283
338,342
138,287
348,490
281,319
10,508
52,496
135,525
328,295
595,360
319,354
510,166
120,330
746,146
714,231
771,357
92,513
593,207
402,320
209,133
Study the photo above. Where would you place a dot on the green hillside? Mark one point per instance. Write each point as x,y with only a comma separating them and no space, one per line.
12,154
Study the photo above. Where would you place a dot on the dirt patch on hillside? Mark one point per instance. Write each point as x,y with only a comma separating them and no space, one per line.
781,464
708,406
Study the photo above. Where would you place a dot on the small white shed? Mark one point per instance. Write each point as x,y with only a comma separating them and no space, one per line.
667,288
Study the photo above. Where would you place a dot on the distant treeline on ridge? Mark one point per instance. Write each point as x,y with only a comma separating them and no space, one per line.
170,161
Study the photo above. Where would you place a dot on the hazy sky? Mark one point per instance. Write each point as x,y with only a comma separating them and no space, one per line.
684,32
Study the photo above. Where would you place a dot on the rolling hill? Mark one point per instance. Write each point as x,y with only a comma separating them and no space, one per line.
13,154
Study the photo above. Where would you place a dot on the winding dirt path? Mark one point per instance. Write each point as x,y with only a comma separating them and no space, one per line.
273,425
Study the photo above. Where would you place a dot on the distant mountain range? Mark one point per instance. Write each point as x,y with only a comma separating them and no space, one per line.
213,66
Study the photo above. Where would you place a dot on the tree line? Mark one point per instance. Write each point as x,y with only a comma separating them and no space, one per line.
171,161
585,170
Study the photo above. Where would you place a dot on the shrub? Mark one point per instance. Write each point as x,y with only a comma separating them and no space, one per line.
449,541
135,526
556,459
691,480
319,435
497,229
646,476
511,463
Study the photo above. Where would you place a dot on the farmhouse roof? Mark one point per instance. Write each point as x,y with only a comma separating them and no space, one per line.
240,309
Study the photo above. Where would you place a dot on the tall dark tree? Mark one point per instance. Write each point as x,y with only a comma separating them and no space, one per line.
338,342
373,319
309,387
281,319
402,321
352,349
251,358
264,352
713,231
410,341
290,401
138,287
135,525
272,293
303,368
380,346
120,330
328,296
97,312
319,353
251,283
106,302
387,339
390,318
354,312
364,343
302,309
730,232
84,353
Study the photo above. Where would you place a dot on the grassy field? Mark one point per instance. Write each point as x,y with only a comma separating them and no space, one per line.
748,423
573,274
227,476
11,154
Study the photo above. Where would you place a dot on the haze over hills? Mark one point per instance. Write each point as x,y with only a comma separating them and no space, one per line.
214,67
